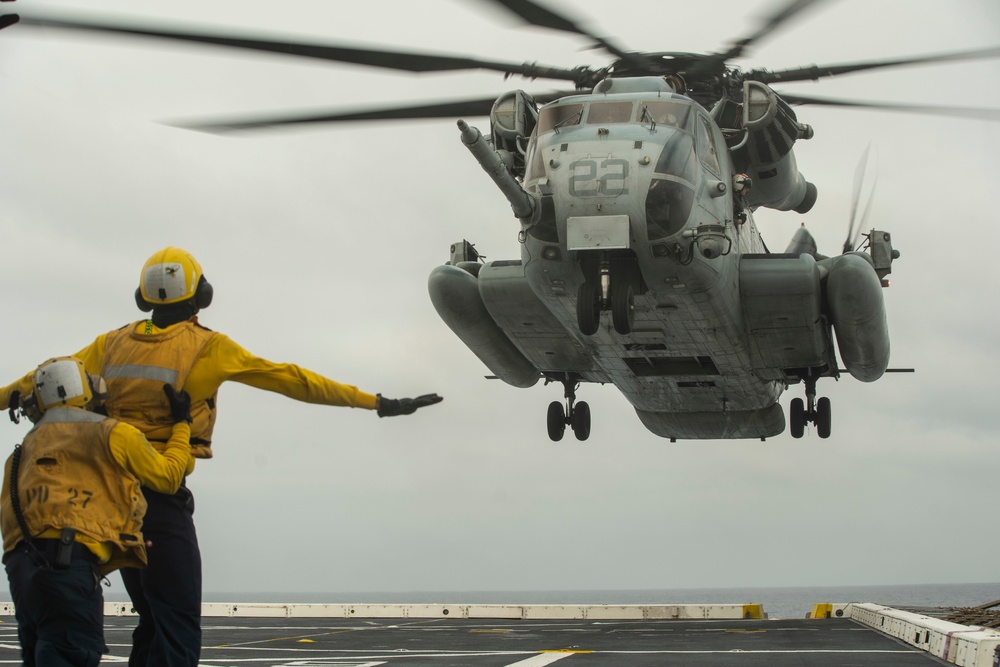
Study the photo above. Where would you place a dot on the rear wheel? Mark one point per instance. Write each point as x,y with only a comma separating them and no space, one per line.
556,421
581,420
823,417
797,417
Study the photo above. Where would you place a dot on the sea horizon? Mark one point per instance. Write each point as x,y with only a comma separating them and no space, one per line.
777,601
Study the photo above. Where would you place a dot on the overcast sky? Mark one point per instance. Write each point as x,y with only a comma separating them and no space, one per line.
319,242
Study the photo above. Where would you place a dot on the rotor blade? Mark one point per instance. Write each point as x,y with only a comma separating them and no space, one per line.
961,112
813,72
536,14
771,23
865,179
398,60
453,109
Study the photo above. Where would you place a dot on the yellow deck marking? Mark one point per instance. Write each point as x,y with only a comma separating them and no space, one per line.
496,631
563,650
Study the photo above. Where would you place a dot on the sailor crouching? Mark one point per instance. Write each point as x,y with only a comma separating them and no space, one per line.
71,509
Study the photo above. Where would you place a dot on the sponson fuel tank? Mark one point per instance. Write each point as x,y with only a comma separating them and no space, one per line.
857,312
455,294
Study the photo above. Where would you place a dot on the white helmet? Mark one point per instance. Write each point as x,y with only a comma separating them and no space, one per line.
62,381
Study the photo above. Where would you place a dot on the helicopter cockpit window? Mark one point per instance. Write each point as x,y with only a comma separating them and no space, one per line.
678,157
669,200
534,167
668,206
708,155
664,113
555,117
603,113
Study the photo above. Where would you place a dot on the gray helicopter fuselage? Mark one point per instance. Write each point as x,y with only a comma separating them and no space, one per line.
641,266
637,176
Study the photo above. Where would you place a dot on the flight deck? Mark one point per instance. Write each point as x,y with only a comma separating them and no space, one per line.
303,635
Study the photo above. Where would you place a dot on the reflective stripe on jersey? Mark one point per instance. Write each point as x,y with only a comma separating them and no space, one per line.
136,372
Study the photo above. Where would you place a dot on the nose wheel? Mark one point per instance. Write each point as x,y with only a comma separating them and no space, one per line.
607,290
575,416
817,412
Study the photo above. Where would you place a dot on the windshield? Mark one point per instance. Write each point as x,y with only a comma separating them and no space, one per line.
602,113
663,112
554,117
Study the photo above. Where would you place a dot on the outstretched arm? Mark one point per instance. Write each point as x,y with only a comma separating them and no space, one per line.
223,360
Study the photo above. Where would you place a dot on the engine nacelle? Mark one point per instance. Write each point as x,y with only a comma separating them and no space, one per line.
772,131
512,119
857,312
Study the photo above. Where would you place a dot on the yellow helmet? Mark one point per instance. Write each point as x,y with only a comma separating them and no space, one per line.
62,381
171,276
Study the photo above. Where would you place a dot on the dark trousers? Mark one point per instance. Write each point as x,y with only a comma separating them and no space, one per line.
167,593
60,613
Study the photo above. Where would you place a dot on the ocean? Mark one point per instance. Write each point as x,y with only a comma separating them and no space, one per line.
781,602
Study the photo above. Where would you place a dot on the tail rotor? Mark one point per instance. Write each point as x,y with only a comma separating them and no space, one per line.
865,178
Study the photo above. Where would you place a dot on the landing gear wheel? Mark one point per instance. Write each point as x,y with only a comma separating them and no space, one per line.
797,417
588,308
622,306
556,421
581,420
823,417
816,411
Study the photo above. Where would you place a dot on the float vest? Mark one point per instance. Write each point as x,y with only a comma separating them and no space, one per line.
68,478
137,365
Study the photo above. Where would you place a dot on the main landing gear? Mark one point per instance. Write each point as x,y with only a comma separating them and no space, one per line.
576,416
608,289
818,412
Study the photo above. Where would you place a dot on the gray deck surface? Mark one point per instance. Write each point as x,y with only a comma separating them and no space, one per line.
313,642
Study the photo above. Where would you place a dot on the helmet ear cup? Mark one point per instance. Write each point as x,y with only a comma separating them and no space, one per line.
143,305
203,294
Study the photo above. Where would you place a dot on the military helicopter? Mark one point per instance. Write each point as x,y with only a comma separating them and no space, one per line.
641,262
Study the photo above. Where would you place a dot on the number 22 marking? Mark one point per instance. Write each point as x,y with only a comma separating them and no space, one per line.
585,182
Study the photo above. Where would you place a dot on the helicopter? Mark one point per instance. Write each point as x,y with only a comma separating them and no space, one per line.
641,263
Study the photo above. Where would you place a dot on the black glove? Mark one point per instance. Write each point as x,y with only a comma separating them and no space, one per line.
180,404
8,20
390,407
13,405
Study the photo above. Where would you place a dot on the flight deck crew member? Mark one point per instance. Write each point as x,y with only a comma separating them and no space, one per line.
71,510
173,347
